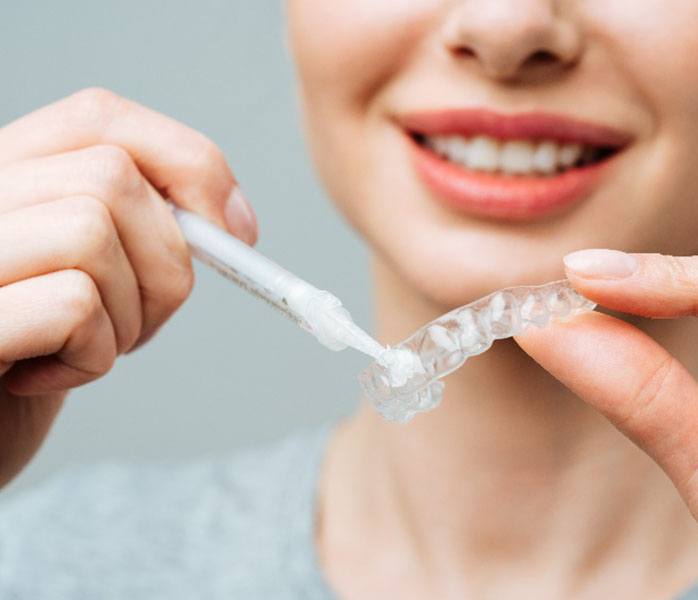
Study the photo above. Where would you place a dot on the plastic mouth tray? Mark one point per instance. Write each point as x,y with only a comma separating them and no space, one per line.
443,345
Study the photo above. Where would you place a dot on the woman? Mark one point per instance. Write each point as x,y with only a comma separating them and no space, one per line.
474,145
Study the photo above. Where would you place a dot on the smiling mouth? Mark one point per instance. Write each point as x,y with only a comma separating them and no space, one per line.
517,167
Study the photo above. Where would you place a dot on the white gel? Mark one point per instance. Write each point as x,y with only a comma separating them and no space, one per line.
401,364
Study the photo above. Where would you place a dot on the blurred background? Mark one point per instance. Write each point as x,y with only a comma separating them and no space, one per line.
227,371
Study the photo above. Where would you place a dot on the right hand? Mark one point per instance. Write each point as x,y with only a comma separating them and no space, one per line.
92,261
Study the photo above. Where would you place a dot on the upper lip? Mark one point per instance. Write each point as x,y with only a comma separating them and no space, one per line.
506,126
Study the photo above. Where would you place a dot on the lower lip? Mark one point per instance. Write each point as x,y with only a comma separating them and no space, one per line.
516,198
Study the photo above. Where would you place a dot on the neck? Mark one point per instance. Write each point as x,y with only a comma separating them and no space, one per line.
511,471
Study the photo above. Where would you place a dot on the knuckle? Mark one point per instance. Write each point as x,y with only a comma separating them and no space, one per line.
210,155
95,105
81,297
114,171
648,396
210,165
93,226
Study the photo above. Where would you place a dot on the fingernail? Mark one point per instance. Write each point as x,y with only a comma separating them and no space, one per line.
601,263
240,217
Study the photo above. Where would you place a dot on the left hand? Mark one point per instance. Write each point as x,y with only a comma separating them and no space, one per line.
619,370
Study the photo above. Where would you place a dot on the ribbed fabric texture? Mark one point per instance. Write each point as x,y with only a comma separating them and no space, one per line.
237,529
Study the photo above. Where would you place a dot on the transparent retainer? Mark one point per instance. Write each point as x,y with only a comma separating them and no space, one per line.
443,345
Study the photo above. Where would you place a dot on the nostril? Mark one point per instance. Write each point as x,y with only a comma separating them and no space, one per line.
464,51
541,57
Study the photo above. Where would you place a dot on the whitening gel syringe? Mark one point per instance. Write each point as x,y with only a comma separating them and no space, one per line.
315,310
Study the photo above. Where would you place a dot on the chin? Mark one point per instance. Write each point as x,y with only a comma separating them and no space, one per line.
451,266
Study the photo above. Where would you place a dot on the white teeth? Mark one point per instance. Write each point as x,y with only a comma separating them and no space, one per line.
459,149
438,144
484,154
513,157
516,157
545,157
569,154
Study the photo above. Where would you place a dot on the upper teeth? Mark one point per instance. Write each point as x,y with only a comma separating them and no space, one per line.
515,157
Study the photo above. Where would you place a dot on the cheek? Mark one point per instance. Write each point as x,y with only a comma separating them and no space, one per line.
347,48
658,46
346,52
655,45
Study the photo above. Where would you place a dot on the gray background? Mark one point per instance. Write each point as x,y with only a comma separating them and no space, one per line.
227,370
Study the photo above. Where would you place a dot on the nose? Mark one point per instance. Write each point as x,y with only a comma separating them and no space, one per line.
509,38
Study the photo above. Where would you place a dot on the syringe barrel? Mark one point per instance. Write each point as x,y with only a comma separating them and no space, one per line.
246,266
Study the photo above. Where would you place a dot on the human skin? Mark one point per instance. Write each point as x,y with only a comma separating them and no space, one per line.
540,483
93,262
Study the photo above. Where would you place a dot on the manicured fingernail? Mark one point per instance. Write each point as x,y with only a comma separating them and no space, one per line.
240,217
601,264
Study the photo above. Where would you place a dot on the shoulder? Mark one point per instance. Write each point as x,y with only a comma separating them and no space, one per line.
227,522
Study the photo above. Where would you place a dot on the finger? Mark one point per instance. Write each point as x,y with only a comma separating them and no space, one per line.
651,285
180,162
24,423
633,381
74,233
56,331
146,226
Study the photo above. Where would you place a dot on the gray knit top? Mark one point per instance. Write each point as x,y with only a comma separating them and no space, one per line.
239,528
